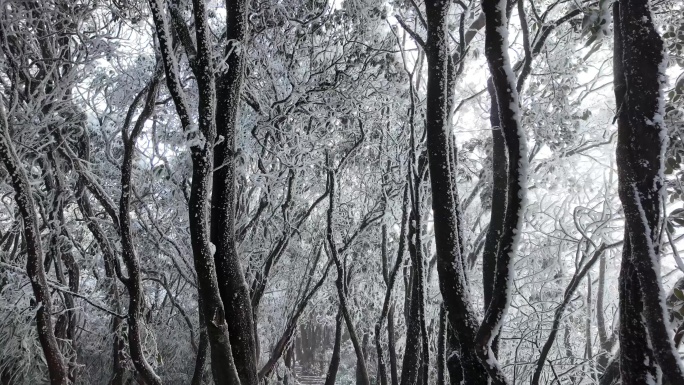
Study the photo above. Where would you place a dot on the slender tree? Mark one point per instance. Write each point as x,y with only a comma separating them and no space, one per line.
452,277
57,367
223,365
232,284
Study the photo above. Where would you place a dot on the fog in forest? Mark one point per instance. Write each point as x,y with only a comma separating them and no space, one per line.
350,192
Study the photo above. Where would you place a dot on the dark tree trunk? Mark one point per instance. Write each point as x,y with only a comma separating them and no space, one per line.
441,347
341,285
638,59
387,309
452,277
612,372
504,82
202,349
453,362
110,263
416,356
637,365
359,373
391,346
289,364
223,366
406,272
65,326
499,159
232,284
606,343
57,368
134,280
410,364
334,365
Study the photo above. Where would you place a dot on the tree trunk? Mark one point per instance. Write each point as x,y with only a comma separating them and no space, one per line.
289,364
57,368
331,376
387,309
453,362
606,343
133,282
452,277
224,368
65,327
637,365
638,71
110,263
391,346
503,79
499,159
232,284
202,349
409,367
341,285
441,347
359,372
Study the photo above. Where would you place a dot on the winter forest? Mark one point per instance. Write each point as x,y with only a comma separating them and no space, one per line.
321,192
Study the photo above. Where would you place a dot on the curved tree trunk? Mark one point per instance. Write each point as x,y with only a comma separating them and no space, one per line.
110,262
387,309
133,283
503,79
57,368
341,286
65,327
499,159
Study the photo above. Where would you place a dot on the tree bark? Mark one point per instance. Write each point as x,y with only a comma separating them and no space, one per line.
202,349
133,283
387,309
65,327
289,364
334,365
223,366
453,361
359,368
637,364
452,277
638,71
232,284
499,159
606,343
57,368
441,347
341,285
503,79
111,263
391,346
412,352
